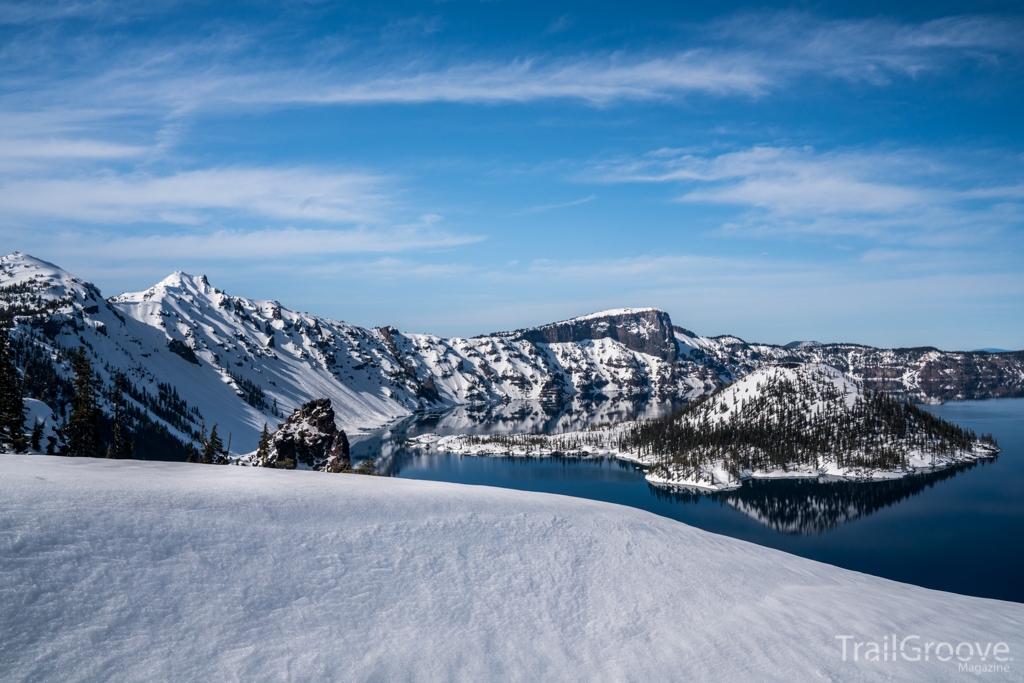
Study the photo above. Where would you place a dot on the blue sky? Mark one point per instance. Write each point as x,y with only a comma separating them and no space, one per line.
840,172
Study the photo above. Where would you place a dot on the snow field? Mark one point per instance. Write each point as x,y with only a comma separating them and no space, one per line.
141,571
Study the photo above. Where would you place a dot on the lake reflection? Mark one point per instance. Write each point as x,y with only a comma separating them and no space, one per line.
802,506
960,529
513,417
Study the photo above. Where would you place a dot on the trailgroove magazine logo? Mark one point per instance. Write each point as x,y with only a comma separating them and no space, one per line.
972,657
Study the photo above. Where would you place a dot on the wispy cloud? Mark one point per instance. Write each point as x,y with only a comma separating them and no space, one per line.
889,195
198,196
250,245
870,50
748,55
548,207
52,148
560,24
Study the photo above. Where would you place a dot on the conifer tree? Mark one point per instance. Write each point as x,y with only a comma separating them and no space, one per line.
121,444
263,450
12,404
37,435
83,429
213,448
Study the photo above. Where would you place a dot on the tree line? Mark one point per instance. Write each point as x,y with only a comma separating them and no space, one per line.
84,429
788,423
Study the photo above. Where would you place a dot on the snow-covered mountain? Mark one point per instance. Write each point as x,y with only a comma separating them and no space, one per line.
921,374
194,354
781,421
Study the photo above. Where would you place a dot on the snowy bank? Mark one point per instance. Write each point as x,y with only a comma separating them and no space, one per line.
141,571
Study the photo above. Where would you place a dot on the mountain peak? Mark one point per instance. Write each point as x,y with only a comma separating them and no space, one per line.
177,283
19,259
179,279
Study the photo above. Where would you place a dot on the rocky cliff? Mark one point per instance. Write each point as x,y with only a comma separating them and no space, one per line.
308,439
645,330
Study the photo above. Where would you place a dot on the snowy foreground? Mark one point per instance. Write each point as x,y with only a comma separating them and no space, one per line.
140,571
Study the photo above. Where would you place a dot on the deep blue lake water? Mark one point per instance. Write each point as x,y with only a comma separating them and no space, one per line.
958,530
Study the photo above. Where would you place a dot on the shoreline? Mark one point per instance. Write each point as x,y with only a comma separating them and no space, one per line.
716,478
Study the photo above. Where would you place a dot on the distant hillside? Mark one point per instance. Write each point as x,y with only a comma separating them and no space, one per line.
193,354
807,421
802,420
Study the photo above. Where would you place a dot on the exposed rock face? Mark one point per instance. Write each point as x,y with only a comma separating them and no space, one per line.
646,330
918,374
309,439
176,346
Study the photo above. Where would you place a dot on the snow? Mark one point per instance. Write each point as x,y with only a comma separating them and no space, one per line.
371,376
377,376
140,571
605,440
37,411
610,313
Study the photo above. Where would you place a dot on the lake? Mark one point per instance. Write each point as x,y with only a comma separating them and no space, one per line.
959,530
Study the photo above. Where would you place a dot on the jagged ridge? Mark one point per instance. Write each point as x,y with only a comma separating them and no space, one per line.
195,354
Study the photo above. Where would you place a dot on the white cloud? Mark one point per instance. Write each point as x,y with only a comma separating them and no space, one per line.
872,50
548,207
52,148
283,245
195,196
895,196
747,55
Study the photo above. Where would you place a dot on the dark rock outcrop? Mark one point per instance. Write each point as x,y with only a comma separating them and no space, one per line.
310,439
647,330
178,347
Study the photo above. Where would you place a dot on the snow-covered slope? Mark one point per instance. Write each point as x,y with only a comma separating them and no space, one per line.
241,362
135,571
800,420
196,354
792,420
922,374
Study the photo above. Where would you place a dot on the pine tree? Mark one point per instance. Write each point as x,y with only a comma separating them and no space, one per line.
37,435
263,450
121,445
213,448
84,424
12,404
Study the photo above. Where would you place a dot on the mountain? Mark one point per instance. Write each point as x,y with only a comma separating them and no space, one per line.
194,356
923,374
798,421
792,421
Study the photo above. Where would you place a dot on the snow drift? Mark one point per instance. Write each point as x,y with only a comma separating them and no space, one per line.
137,571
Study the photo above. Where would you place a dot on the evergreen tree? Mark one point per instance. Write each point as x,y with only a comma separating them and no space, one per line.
263,450
37,435
12,404
121,444
83,431
213,448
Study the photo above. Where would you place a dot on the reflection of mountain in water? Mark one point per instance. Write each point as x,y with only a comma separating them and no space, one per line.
811,506
532,417
513,417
